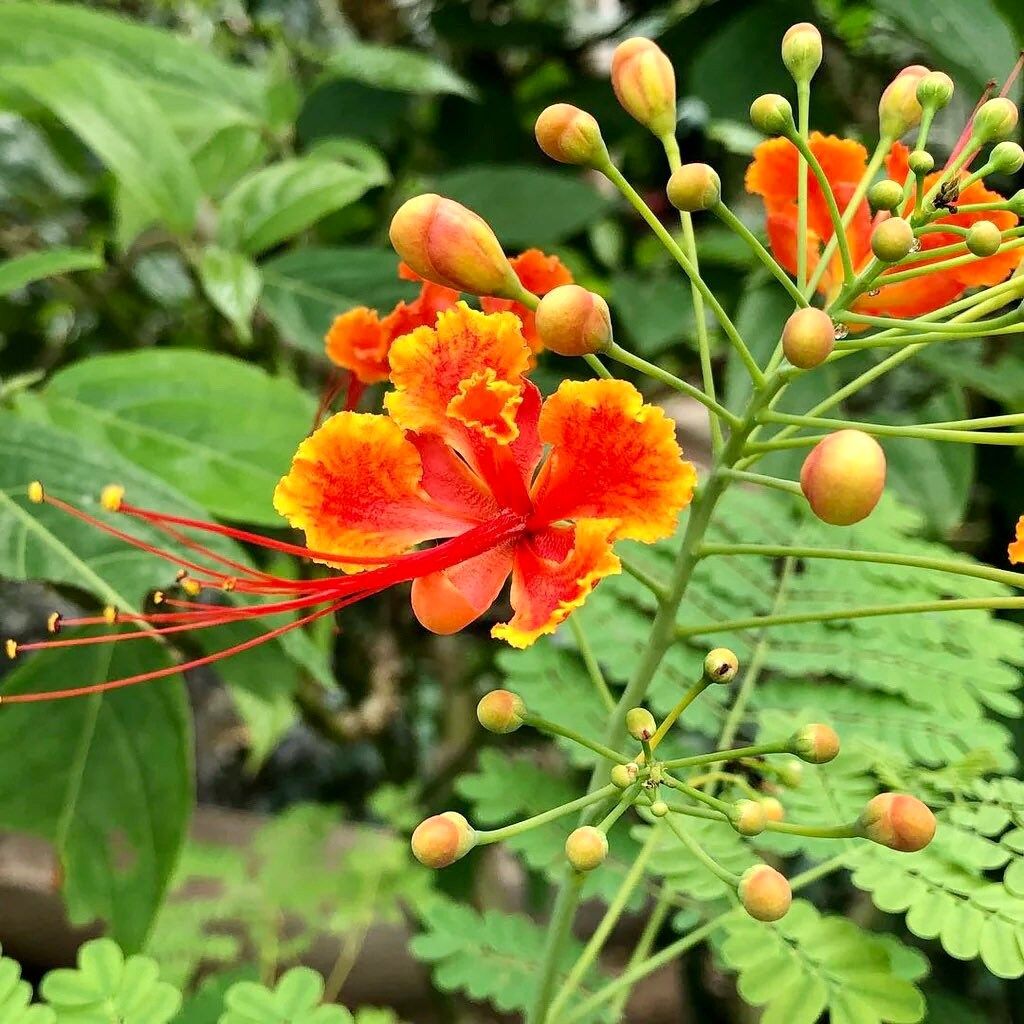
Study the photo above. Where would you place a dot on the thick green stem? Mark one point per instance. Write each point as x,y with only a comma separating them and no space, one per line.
754,750
672,717
554,729
497,835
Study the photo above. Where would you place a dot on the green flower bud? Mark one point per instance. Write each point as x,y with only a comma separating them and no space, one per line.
983,238
721,665
764,893
772,114
791,773
586,848
500,711
898,821
921,162
624,775
815,744
801,51
1016,203
899,109
640,723
659,808
1006,158
808,337
694,187
892,239
995,119
885,195
748,817
934,90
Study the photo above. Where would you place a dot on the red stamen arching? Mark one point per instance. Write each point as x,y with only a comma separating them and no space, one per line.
1013,75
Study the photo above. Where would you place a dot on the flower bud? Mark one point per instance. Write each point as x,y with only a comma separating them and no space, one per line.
445,243
808,337
815,744
772,114
659,808
1016,203
773,809
921,162
645,84
899,109
442,839
574,322
721,665
624,775
995,119
640,723
748,817
899,821
892,239
934,90
501,711
885,195
791,773
764,893
570,136
1006,158
801,51
586,848
983,238
843,477
694,187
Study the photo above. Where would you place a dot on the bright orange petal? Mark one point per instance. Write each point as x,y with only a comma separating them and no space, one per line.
357,341
911,298
545,591
355,487
539,273
488,406
429,367
1016,548
612,457
449,600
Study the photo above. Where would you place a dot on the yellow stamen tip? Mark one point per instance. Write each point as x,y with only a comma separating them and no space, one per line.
191,587
111,497
158,597
36,494
110,615
53,622
11,648
229,584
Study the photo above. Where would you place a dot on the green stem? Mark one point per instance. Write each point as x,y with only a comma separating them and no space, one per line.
655,586
655,920
699,795
558,934
672,717
939,267
591,664
803,104
754,750
598,367
789,486
848,831
554,729
698,851
486,837
921,432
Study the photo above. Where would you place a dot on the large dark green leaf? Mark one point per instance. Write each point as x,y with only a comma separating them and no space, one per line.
392,67
34,266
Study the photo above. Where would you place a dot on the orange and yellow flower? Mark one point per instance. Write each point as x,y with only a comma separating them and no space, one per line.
1016,547
773,176
540,274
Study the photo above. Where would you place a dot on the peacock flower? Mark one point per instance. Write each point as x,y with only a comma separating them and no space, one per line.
773,176
468,461
1015,551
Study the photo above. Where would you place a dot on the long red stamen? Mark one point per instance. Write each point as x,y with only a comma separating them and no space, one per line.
337,381
1013,75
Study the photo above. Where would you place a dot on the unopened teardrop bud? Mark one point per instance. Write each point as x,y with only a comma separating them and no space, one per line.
694,187
885,195
801,51
442,839
571,136
586,848
501,711
934,90
899,109
983,238
843,477
892,239
573,321
765,893
921,162
748,817
815,744
808,337
640,723
645,84
995,119
1006,158
721,665
624,775
772,114
898,821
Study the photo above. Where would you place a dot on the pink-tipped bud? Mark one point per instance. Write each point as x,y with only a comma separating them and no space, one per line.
442,839
624,775
898,821
501,711
815,744
983,238
808,337
748,817
694,187
773,809
843,477
801,51
899,109
586,848
445,243
764,893
885,195
574,322
721,665
772,114
645,84
640,723
892,239
570,136
995,120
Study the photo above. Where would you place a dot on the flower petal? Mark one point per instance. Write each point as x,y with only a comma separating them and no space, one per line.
538,273
1016,547
451,483
612,457
545,591
445,602
354,487
357,341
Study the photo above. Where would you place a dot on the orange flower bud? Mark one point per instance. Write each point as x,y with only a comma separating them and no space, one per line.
570,136
624,775
748,817
445,243
764,893
843,477
574,322
721,665
899,109
815,744
645,84
899,821
808,337
773,809
994,120
694,187
772,114
801,51
586,848
640,723
892,239
983,238
501,711
442,839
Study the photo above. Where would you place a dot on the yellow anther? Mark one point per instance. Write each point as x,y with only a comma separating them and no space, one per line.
111,497
180,575
36,494
191,587
11,648
110,615
158,597
53,622
229,584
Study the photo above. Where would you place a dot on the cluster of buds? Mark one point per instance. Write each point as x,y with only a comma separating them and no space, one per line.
674,791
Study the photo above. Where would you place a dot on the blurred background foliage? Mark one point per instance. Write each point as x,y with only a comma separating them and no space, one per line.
211,183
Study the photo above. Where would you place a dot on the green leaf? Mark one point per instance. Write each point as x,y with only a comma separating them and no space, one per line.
395,68
656,312
277,202
126,130
304,290
232,282
108,987
526,206
35,266
16,997
294,1000
220,430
